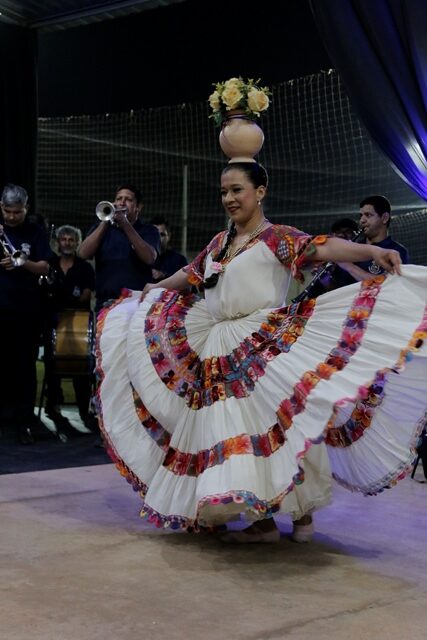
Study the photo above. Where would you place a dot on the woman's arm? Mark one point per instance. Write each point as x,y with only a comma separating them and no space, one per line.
338,250
356,272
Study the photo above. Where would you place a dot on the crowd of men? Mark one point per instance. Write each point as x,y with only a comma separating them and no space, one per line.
50,291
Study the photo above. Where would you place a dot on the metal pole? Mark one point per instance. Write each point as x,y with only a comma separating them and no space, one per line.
184,211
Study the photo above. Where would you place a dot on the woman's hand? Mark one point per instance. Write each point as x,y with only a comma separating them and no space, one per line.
148,287
388,259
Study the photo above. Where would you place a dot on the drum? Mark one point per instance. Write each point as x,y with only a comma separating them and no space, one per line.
73,342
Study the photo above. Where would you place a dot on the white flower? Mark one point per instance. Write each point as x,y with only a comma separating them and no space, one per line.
237,93
215,101
257,100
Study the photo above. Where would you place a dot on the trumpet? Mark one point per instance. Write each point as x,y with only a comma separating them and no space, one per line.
17,256
106,211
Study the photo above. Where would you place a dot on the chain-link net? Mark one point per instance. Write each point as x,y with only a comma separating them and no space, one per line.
320,160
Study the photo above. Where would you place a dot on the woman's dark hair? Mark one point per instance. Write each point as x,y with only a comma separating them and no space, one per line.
254,172
210,282
257,175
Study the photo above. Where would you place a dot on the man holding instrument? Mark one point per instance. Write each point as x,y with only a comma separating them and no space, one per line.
123,246
375,218
24,255
75,282
328,279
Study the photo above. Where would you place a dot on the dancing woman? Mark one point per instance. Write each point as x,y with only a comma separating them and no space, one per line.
236,406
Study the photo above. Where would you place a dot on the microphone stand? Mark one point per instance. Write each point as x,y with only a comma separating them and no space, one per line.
326,269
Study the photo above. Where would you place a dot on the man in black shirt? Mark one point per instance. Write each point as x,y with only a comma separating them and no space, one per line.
375,217
168,261
24,255
124,248
75,282
347,229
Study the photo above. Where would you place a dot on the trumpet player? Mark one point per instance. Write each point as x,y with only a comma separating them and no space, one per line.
24,255
124,247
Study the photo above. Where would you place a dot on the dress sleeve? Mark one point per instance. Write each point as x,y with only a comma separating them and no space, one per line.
196,268
294,247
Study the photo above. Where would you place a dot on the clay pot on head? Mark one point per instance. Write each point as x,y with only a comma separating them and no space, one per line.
240,138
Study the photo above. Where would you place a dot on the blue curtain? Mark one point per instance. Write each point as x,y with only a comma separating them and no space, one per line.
379,48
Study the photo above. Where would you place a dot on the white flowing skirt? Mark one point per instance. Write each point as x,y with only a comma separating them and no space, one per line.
210,420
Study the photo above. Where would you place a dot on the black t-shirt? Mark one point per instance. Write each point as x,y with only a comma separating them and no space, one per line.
169,262
69,286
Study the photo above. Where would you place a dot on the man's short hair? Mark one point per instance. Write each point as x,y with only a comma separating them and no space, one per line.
13,195
158,220
68,230
344,223
131,187
380,204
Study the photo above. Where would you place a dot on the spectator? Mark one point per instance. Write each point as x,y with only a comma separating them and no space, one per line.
168,261
75,283
375,218
24,258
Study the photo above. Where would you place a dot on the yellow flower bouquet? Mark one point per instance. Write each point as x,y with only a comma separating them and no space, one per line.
246,96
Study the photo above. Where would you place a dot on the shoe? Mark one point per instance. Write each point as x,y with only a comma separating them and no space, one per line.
64,428
91,423
215,529
40,431
244,537
303,532
25,436
70,431
99,442
53,412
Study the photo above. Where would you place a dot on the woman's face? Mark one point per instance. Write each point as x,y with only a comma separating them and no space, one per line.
239,196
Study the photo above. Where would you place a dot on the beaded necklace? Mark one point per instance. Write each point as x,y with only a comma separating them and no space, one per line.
229,254
219,267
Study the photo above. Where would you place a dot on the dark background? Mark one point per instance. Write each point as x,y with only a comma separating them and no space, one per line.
174,54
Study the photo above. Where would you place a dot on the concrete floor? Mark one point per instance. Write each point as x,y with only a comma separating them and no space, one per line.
77,563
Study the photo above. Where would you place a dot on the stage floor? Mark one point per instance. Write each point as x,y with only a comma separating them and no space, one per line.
77,563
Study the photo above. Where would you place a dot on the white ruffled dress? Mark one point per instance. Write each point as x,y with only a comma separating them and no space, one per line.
235,404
